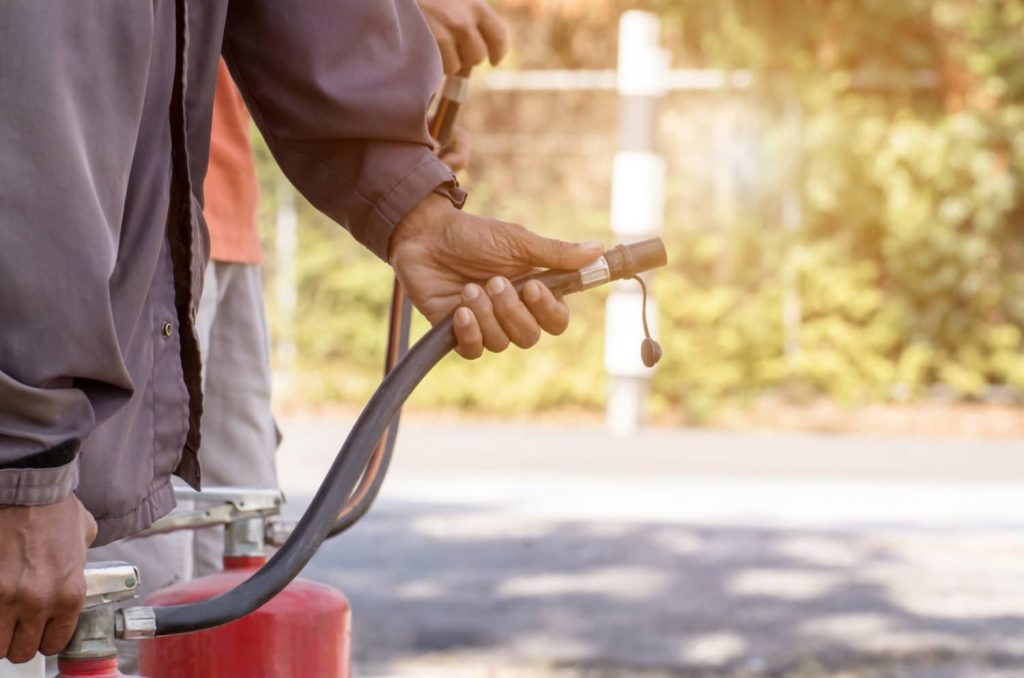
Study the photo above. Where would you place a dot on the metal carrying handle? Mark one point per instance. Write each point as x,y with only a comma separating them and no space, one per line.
232,504
109,582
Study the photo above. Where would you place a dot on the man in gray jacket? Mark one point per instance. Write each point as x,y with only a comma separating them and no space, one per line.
104,133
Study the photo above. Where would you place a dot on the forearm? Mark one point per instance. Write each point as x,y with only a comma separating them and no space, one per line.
344,110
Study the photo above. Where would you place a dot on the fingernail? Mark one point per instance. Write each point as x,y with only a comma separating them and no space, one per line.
496,285
470,292
593,245
463,316
532,291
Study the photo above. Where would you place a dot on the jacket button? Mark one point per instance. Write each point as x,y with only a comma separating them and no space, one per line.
167,329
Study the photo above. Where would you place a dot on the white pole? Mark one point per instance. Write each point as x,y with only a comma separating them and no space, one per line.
286,283
638,188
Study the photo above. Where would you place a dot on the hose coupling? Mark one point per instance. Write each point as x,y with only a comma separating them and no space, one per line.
595,274
135,623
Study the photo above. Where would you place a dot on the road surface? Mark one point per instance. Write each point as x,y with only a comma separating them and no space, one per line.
517,550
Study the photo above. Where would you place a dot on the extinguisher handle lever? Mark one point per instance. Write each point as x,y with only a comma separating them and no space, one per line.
229,505
242,498
110,582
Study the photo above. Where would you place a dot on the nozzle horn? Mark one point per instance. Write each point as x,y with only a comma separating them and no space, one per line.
626,261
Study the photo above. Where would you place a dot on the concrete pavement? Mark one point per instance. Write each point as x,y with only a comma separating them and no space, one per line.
544,551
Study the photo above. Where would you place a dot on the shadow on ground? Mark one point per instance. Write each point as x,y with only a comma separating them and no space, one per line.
440,583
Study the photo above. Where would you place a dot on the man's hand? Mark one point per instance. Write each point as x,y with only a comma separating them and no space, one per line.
42,585
467,32
456,153
446,258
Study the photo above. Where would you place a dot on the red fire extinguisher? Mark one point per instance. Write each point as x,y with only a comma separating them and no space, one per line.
305,630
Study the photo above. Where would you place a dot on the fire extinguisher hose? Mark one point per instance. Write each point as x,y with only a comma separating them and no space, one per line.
624,261
442,126
377,467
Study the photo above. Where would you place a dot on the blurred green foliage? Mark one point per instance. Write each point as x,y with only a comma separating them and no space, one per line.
907,266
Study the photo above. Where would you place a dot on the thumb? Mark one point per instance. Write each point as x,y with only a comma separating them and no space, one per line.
88,523
541,252
89,529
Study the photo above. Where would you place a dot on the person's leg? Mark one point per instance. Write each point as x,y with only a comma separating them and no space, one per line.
238,431
209,310
33,669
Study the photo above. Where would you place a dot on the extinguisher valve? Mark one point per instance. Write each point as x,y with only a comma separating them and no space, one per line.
105,585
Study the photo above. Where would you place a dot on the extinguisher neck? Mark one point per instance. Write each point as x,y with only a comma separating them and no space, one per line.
232,563
88,668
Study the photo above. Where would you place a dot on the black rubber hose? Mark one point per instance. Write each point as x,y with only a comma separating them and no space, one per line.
341,479
319,518
344,474
640,256
354,515
441,128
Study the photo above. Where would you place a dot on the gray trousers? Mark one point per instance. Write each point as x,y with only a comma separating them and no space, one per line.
239,435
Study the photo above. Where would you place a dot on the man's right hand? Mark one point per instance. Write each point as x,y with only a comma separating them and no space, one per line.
42,584
446,258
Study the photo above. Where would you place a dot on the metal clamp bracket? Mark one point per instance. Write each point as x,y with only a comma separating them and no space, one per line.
232,504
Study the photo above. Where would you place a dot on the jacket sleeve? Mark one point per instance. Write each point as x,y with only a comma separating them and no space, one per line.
340,90
64,152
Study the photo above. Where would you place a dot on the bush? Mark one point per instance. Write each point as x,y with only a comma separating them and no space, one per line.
905,275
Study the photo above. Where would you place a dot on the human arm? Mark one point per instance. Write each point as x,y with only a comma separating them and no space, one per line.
342,100
353,139
64,163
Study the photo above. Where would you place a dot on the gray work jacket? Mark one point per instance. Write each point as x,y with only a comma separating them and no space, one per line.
104,136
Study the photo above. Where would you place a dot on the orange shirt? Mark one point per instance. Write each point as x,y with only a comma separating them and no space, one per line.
231,188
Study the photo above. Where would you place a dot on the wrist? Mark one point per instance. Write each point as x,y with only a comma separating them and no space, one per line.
419,225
